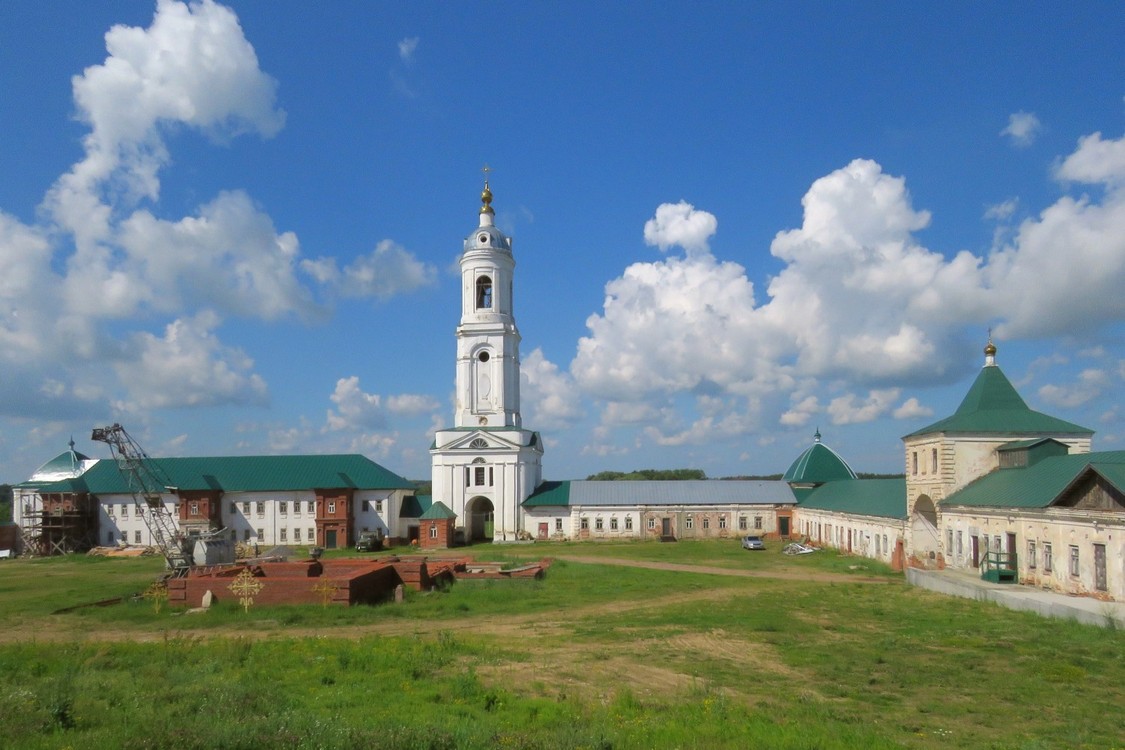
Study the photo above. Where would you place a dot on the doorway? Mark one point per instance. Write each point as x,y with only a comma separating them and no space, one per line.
665,527
783,526
330,539
543,532
1100,582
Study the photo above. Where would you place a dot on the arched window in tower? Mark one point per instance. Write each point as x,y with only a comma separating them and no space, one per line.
484,293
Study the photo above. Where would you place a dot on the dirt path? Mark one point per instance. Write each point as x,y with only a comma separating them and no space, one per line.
781,575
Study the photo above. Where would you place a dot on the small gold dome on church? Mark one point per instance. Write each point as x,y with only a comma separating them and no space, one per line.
486,199
990,349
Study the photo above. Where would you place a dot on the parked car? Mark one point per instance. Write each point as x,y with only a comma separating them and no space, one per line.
753,542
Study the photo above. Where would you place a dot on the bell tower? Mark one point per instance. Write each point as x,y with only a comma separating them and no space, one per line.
488,342
487,464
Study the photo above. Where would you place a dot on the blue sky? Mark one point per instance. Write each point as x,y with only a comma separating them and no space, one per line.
234,228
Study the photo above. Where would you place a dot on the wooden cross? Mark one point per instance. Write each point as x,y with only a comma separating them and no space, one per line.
245,586
326,589
157,593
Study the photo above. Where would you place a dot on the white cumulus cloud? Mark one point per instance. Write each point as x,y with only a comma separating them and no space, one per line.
1022,129
680,224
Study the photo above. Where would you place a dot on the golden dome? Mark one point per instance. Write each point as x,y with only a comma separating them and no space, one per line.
486,200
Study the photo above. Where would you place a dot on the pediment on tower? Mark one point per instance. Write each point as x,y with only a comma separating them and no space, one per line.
483,440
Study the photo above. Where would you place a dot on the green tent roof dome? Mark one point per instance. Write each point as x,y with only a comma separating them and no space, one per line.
817,465
994,407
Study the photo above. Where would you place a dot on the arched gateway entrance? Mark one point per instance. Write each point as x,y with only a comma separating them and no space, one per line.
480,513
924,538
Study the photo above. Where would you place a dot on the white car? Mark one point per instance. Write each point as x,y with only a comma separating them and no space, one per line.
753,542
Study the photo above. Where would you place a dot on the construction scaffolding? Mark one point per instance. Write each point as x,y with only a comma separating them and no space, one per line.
63,523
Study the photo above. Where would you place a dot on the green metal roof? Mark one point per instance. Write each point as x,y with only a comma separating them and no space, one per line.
993,407
885,498
413,506
818,464
437,512
247,474
548,494
1038,485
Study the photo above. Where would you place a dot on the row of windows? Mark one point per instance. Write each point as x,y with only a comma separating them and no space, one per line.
283,535
599,524
933,462
259,507
840,536
689,523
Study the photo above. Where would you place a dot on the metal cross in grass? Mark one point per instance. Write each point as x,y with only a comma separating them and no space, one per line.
326,589
245,586
157,593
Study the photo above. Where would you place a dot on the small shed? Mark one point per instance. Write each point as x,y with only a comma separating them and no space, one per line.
437,525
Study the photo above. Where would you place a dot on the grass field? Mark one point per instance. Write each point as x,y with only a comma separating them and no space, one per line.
821,651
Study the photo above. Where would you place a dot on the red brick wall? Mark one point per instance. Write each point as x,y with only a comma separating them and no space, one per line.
442,539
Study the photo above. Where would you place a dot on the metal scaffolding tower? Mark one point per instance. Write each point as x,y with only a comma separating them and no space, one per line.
147,482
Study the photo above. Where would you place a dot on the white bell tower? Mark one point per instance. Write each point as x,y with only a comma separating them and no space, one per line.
488,342
486,465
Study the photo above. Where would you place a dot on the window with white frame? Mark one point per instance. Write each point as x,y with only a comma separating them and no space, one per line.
297,534
331,507
379,506
933,461
707,522
433,531
1048,558
960,543
284,534
1074,570
585,523
652,523
628,523
261,534
558,524
283,508
949,541
312,534
1031,554
137,536
914,463
193,509
722,522
312,507
260,508
598,523
124,510
689,523
743,523
757,522
613,523
246,508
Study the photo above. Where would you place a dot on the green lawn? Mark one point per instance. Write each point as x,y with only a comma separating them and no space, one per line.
592,656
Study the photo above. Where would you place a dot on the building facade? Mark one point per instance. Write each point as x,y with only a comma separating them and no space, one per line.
324,501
